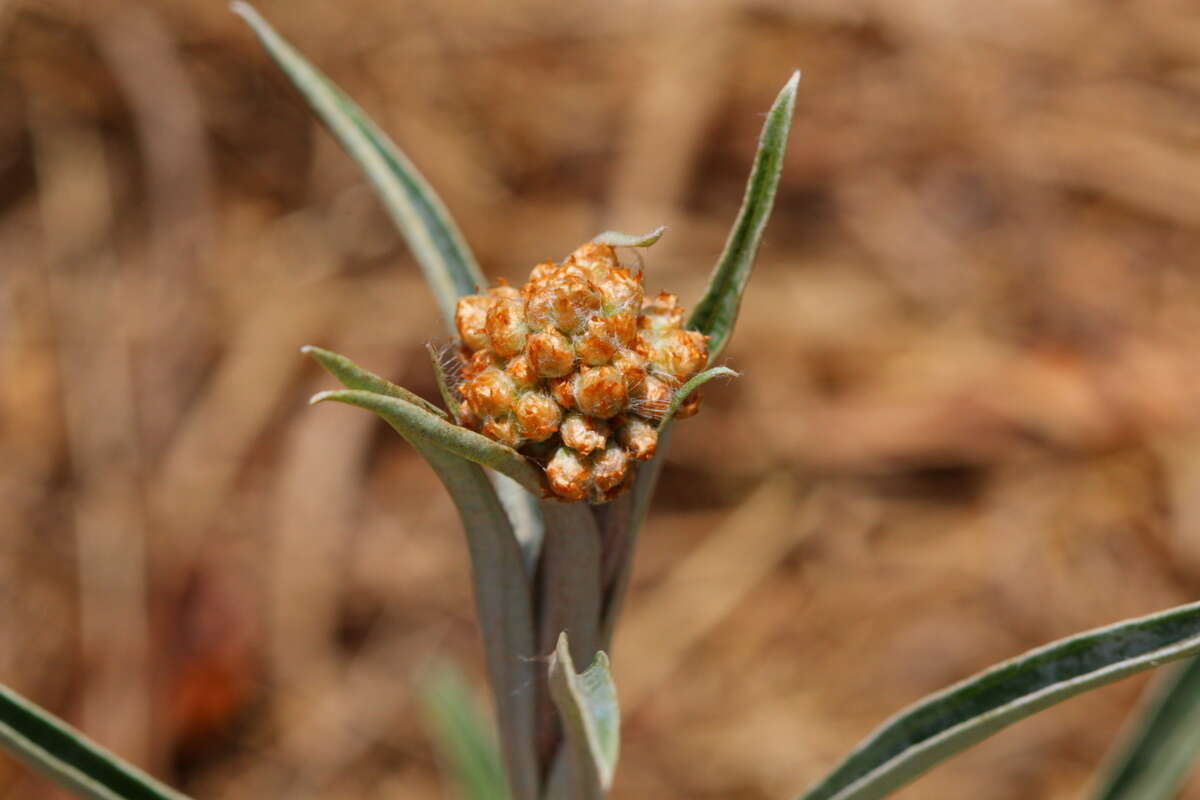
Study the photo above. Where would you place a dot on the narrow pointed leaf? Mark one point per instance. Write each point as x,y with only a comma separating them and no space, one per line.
618,239
587,705
417,423
67,757
418,212
945,723
462,737
504,607
499,577
1154,761
692,385
352,376
717,311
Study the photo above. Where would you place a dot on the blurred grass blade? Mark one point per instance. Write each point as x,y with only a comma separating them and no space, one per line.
717,311
417,423
618,239
462,737
418,212
692,385
67,757
945,723
353,376
587,705
1154,761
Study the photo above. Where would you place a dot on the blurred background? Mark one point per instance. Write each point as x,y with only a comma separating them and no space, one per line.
967,424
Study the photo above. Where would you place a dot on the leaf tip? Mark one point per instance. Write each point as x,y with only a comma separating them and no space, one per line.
321,397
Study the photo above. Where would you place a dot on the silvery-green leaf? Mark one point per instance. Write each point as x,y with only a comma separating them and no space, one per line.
417,423
419,214
1154,760
67,757
936,728
504,607
352,376
717,311
591,719
462,737
618,239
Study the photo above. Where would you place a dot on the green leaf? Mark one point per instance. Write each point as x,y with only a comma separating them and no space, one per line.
717,311
498,571
618,239
504,606
419,214
692,385
1153,762
417,423
67,757
941,725
462,737
355,377
587,705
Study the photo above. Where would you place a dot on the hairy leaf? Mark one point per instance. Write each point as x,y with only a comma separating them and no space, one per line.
587,705
416,422
717,311
618,239
435,241
941,725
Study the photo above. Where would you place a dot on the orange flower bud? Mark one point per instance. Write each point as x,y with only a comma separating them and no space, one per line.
609,470
653,397
585,434
506,327
639,438
503,430
595,259
470,317
594,347
538,416
632,367
520,369
661,312
680,353
600,392
550,353
563,390
568,475
624,328
491,393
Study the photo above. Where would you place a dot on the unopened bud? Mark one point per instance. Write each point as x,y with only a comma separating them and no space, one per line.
639,437
584,434
470,317
593,346
550,353
506,327
503,430
538,416
609,470
600,392
490,393
568,475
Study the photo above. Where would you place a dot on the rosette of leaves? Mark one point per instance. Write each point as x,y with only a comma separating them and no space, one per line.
551,557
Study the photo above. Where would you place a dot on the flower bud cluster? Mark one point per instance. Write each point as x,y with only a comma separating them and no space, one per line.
575,368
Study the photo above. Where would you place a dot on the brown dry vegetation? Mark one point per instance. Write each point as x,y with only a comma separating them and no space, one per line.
968,421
